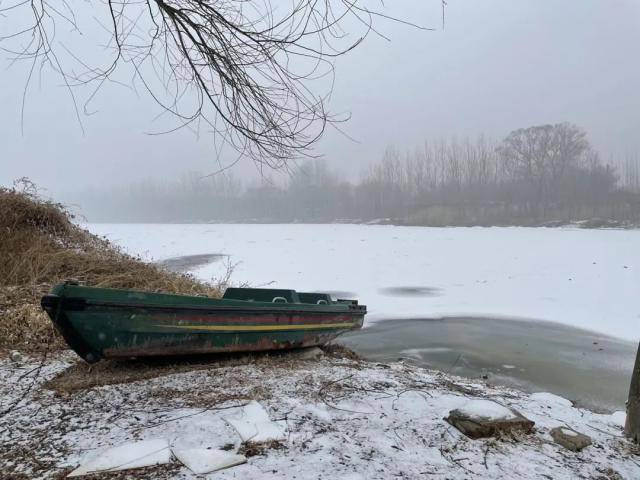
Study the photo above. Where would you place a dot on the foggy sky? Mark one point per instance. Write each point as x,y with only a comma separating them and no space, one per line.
498,65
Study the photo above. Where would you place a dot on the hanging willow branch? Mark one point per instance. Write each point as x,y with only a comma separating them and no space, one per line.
242,68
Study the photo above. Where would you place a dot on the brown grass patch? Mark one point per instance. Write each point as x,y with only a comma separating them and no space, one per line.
41,246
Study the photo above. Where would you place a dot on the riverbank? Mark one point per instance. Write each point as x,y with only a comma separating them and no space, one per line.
345,418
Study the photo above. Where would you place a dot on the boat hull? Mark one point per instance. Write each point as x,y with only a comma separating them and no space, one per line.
98,327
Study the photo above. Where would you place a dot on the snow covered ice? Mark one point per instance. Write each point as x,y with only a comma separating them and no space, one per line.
126,456
204,460
253,424
486,409
583,278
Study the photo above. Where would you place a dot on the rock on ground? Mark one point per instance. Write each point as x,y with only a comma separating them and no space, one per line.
570,439
484,418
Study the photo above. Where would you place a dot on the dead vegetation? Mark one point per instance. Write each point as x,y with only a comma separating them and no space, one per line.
41,246
253,449
336,350
81,376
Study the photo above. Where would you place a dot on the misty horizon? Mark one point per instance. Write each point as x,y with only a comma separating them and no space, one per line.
495,67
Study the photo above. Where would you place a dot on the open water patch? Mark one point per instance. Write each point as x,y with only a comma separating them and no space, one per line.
591,369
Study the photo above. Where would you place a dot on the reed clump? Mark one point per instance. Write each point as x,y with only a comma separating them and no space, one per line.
40,246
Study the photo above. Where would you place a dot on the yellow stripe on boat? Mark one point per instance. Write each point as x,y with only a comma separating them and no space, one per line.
259,328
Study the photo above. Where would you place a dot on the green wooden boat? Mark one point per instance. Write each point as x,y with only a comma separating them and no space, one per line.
107,323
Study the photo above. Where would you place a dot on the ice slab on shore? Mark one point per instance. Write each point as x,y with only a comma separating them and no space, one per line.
550,399
253,424
204,460
618,418
129,455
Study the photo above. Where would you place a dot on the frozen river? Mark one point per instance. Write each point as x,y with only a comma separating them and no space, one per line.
471,301
584,278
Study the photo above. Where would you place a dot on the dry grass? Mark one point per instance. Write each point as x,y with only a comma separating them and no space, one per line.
41,246
253,449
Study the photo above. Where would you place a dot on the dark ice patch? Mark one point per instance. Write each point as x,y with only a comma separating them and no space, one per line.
407,291
186,263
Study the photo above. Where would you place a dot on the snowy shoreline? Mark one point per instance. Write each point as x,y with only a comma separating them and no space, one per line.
344,419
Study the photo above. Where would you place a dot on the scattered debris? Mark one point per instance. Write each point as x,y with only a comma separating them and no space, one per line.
253,449
312,353
204,460
570,439
253,424
16,357
485,418
336,350
125,457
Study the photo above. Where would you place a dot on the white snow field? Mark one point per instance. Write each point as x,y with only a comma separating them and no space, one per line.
583,278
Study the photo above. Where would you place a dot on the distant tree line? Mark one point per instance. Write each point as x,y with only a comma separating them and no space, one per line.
538,175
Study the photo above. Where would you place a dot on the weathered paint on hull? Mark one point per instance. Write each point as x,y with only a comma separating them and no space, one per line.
98,330
127,334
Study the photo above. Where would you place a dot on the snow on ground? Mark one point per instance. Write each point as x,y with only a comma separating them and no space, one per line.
486,409
344,420
584,278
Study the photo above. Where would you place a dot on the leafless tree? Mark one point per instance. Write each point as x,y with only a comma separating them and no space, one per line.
541,155
245,69
445,182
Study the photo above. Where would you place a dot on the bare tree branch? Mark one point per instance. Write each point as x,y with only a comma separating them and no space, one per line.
245,69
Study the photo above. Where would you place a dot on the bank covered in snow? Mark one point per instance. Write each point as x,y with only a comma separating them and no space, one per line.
289,417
